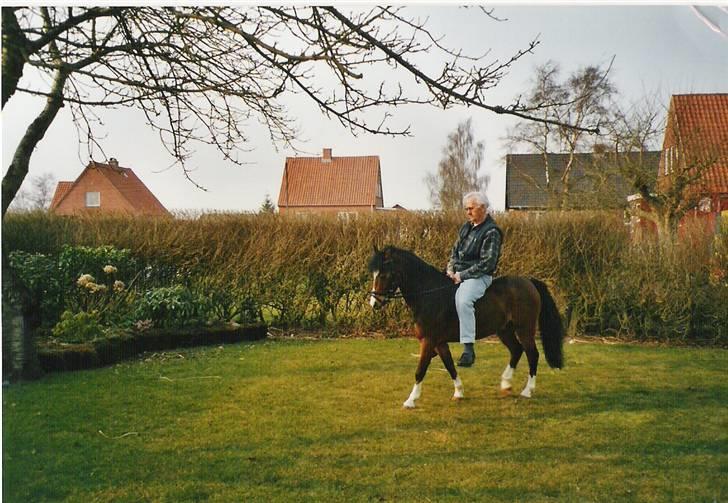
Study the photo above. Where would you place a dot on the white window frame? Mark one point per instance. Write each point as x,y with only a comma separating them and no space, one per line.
93,204
705,205
347,216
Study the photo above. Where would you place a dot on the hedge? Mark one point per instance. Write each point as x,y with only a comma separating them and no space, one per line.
311,272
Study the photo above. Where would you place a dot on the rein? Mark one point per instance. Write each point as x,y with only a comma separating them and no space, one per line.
393,294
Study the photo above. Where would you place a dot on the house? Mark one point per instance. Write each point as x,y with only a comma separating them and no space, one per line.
596,182
696,137
105,188
342,185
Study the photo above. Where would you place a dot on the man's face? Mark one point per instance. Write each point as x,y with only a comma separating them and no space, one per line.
475,211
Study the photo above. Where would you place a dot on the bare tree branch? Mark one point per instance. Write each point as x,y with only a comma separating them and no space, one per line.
201,74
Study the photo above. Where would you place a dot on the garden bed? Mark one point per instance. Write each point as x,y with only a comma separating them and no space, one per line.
55,357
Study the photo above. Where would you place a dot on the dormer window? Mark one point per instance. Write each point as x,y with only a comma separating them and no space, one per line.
93,199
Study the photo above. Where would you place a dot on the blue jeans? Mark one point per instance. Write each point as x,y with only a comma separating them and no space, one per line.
467,293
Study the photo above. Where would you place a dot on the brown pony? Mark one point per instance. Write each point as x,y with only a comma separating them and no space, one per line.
510,308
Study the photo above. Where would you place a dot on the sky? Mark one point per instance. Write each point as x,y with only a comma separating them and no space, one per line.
658,50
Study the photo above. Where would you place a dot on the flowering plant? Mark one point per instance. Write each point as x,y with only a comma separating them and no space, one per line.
107,298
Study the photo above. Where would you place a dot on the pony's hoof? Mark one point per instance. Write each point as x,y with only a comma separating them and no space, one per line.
409,404
504,392
526,393
457,398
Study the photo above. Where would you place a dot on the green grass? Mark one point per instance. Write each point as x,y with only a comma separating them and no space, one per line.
292,420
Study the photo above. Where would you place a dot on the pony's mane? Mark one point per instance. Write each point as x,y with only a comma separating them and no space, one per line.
409,257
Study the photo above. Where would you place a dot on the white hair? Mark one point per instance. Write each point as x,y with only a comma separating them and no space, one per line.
478,197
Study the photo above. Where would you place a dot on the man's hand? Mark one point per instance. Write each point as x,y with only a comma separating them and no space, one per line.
455,277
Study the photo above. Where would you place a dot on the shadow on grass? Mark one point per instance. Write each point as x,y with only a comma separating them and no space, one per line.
640,400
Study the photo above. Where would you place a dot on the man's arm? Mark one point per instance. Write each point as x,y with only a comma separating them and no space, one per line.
453,254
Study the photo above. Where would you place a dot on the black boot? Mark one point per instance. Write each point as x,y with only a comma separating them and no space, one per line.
468,357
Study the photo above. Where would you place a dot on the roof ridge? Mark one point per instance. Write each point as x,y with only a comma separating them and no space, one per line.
700,94
333,157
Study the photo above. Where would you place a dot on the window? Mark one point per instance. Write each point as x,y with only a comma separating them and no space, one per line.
704,205
93,199
671,160
347,216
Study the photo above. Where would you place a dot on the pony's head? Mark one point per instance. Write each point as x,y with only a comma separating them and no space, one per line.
385,276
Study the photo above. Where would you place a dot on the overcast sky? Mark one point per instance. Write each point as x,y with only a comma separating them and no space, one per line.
661,50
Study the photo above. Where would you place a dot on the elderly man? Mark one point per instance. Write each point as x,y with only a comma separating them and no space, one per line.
473,262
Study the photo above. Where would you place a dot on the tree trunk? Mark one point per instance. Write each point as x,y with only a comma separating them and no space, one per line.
14,49
666,229
18,169
20,357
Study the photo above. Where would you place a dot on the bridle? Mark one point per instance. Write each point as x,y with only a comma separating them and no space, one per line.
388,294
384,297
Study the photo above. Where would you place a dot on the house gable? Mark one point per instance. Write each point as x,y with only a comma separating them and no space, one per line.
120,190
92,180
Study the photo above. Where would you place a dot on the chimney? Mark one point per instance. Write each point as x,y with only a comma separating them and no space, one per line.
113,163
327,155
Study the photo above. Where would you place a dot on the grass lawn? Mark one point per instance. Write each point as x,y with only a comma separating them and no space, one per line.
291,420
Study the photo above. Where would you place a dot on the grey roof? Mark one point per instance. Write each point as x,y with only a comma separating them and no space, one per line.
526,186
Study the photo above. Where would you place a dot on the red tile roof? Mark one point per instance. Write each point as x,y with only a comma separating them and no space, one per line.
125,181
340,181
133,189
61,190
705,117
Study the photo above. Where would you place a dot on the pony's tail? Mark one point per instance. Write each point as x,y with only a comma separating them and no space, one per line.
552,328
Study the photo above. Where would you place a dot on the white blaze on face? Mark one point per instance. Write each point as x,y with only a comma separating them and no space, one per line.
372,299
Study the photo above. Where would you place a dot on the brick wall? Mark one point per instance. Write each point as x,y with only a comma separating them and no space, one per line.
324,209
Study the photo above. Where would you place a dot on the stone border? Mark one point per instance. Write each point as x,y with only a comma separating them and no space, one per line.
114,349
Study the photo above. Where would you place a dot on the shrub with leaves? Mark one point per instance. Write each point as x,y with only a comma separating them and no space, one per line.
78,327
39,274
174,306
220,304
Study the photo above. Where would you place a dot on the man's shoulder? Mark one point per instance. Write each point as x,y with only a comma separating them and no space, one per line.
491,227
464,228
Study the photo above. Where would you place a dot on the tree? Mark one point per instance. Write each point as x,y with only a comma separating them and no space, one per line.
199,74
669,197
584,97
38,196
457,172
267,206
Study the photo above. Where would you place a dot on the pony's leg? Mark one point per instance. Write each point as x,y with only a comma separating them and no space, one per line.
426,354
532,355
508,337
444,351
